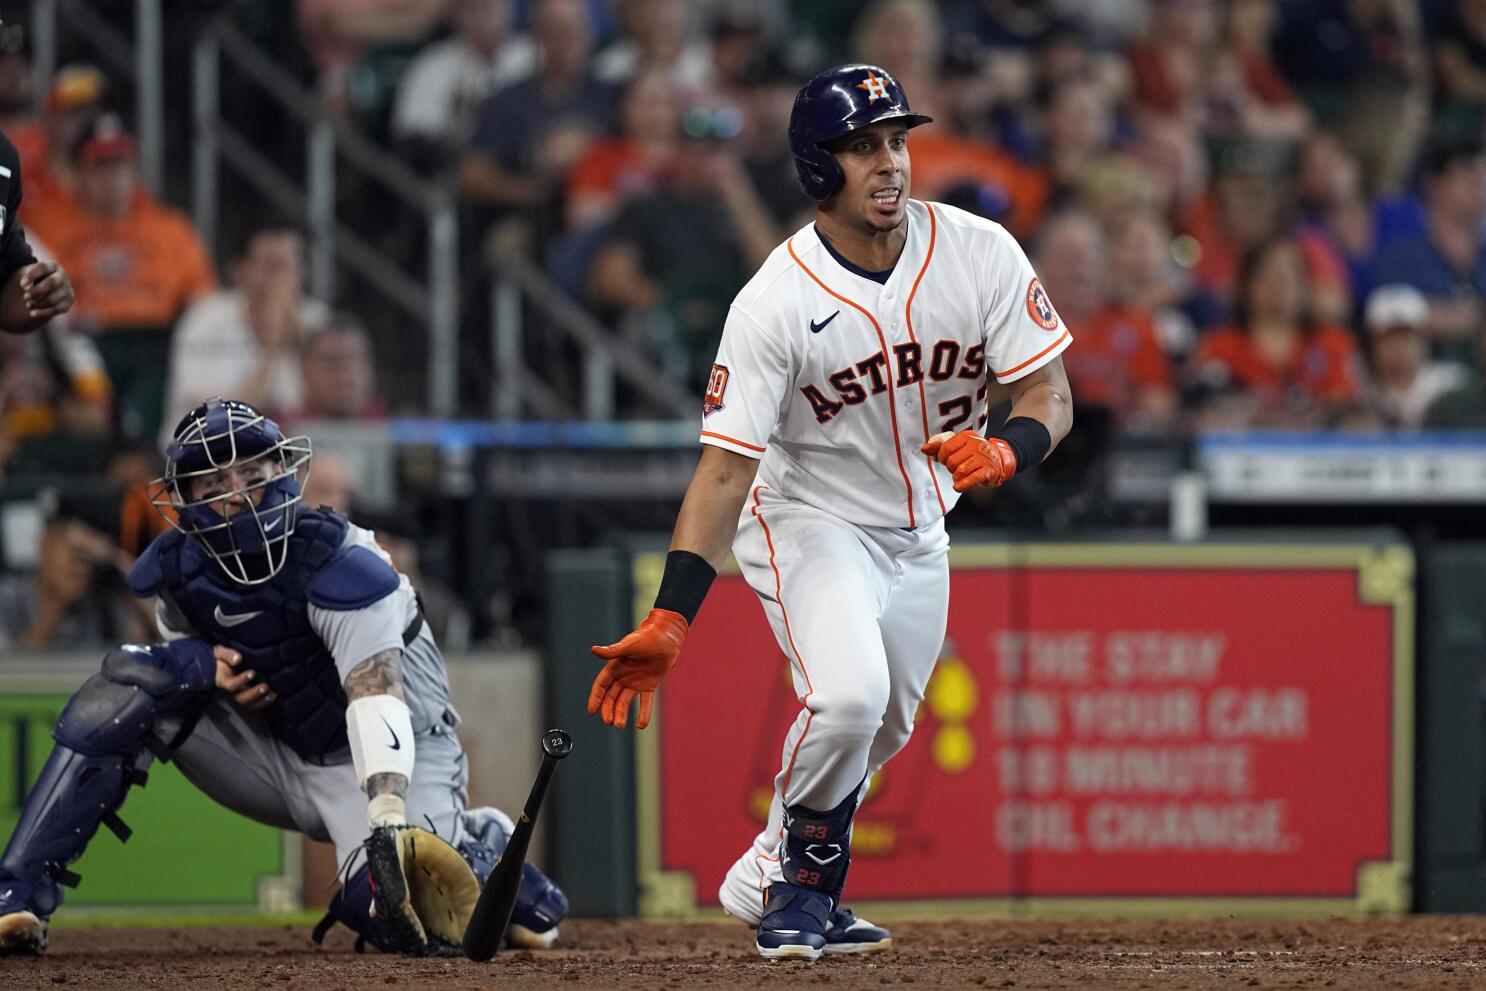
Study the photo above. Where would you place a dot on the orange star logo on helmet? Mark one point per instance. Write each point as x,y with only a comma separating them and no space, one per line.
876,87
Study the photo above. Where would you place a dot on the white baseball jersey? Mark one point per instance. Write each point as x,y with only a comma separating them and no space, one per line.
835,380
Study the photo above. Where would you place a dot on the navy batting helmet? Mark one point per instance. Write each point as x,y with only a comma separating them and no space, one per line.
836,102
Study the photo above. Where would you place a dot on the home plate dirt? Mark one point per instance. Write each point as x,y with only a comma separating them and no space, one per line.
1434,952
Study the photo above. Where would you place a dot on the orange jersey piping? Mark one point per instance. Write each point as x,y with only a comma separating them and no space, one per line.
733,440
923,399
1035,357
887,358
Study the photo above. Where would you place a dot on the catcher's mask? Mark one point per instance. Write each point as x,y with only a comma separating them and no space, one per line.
244,523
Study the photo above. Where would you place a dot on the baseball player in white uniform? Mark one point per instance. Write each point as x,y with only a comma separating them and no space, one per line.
840,426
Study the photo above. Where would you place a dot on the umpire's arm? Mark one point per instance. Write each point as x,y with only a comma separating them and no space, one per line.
31,292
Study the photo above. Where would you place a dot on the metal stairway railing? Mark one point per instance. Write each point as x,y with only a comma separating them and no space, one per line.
521,294
434,303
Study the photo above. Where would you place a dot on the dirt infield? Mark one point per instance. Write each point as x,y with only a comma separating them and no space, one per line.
1417,952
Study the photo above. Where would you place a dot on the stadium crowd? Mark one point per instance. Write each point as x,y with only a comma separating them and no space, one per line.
1251,213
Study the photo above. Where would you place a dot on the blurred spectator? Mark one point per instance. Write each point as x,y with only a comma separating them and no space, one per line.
46,147
1360,66
657,35
1403,382
1334,209
1078,131
52,383
444,86
766,95
337,32
739,44
331,483
131,468
446,615
530,134
905,37
1248,97
137,266
626,165
1144,277
336,368
1463,408
1172,153
1460,67
17,86
1276,366
244,341
78,597
1242,209
952,162
1446,262
674,258
1119,365
1169,65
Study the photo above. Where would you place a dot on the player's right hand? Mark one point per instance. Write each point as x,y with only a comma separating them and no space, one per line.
239,684
973,459
636,665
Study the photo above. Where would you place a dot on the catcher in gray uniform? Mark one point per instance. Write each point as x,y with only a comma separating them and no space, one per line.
297,684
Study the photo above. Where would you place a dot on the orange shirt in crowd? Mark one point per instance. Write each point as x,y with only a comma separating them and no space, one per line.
942,161
1324,369
1118,357
611,170
141,271
1219,261
43,190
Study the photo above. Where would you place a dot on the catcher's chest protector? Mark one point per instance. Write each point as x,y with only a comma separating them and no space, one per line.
268,625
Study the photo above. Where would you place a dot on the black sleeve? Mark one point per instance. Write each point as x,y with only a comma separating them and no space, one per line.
14,251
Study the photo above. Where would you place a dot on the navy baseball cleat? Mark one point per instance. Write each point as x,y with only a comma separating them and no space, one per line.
21,930
794,923
540,906
845,933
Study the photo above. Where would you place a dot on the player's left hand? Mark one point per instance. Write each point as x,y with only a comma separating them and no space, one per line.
974,460
636,665
46,290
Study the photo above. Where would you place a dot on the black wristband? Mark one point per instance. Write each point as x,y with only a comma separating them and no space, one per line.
685,583
1028,440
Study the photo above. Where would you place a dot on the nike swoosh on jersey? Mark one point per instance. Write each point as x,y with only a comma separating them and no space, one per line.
234,619
396,743
816,328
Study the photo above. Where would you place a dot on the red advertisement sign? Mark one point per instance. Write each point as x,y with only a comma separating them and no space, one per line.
1090,732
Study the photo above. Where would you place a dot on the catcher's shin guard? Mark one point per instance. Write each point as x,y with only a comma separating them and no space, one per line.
104,737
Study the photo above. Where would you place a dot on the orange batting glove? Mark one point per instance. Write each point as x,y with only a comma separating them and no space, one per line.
975,460
636,665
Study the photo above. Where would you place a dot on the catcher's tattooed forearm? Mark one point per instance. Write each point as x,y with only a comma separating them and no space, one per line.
387,784
379,674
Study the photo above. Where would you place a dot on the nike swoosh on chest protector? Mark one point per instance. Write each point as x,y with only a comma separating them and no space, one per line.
234,619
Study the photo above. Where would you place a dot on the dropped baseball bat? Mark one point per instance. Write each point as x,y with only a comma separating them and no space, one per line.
492,914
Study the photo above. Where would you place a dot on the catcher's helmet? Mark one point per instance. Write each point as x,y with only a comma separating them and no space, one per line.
836,102
252,543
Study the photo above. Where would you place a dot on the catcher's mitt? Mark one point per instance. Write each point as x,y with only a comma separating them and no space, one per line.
423,891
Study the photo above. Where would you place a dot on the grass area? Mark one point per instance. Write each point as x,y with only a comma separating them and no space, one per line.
83,918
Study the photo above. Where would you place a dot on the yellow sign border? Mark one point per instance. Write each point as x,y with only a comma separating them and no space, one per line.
1385,576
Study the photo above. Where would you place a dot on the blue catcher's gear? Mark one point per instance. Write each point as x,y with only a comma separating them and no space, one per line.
102,738
246,526
540,905
836,102
268,623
